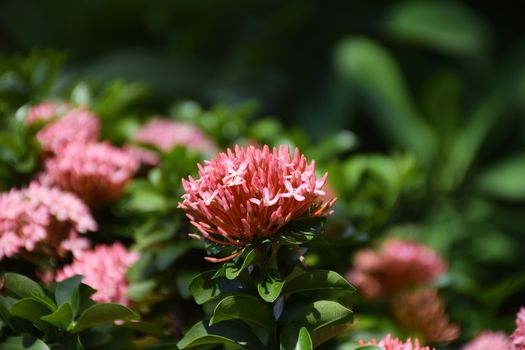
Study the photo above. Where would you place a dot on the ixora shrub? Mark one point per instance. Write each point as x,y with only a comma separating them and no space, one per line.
254,208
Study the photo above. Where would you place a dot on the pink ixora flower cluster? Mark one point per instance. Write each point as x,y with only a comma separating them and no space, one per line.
63,125
389,343
489,340
518,337
45,112
38,218
104,268
397,265
75,160
423,312
96,172
249,194
166,134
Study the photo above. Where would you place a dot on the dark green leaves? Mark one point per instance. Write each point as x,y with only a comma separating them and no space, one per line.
302,230
317,280
227,332
101,313
245,307
369,67
61,318
204,288
324,319
23,343
270,285
295,338
67,292
446,26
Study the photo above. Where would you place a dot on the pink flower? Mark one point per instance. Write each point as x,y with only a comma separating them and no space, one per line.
43,219
518,337
489,340
77,125
397,265
45,111
422,311
389,343
165,134
143,156
96,172
249,194
104,269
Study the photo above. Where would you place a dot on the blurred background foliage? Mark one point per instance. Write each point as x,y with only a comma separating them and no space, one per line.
416,109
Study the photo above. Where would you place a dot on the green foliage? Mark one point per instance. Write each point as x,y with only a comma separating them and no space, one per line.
52,316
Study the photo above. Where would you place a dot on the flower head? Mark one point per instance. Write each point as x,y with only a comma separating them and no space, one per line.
397,265
45,111
389,343
104,269
423,311
38,218
249,194
77,125
165,134
489,340
96,172
518,337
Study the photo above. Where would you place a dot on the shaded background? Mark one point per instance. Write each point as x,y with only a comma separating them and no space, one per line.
279,52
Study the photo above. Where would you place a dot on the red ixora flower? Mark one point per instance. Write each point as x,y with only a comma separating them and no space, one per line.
249,194
389,343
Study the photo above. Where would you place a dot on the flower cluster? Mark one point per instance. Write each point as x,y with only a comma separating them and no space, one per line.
489,340
389,343
518,337
249,194
165,134
43,219
45,112
422,311
397,265
96,172
104,269
77,125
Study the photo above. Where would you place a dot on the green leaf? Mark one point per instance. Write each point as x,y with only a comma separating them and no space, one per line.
295,338
227,332
505,180
443,25
317,280
203,288
101,313
370,68
302,230
270,285
245,307
5,306
317,315
369,347
24,287
67,291
23,343
32,310
232,272
61,318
